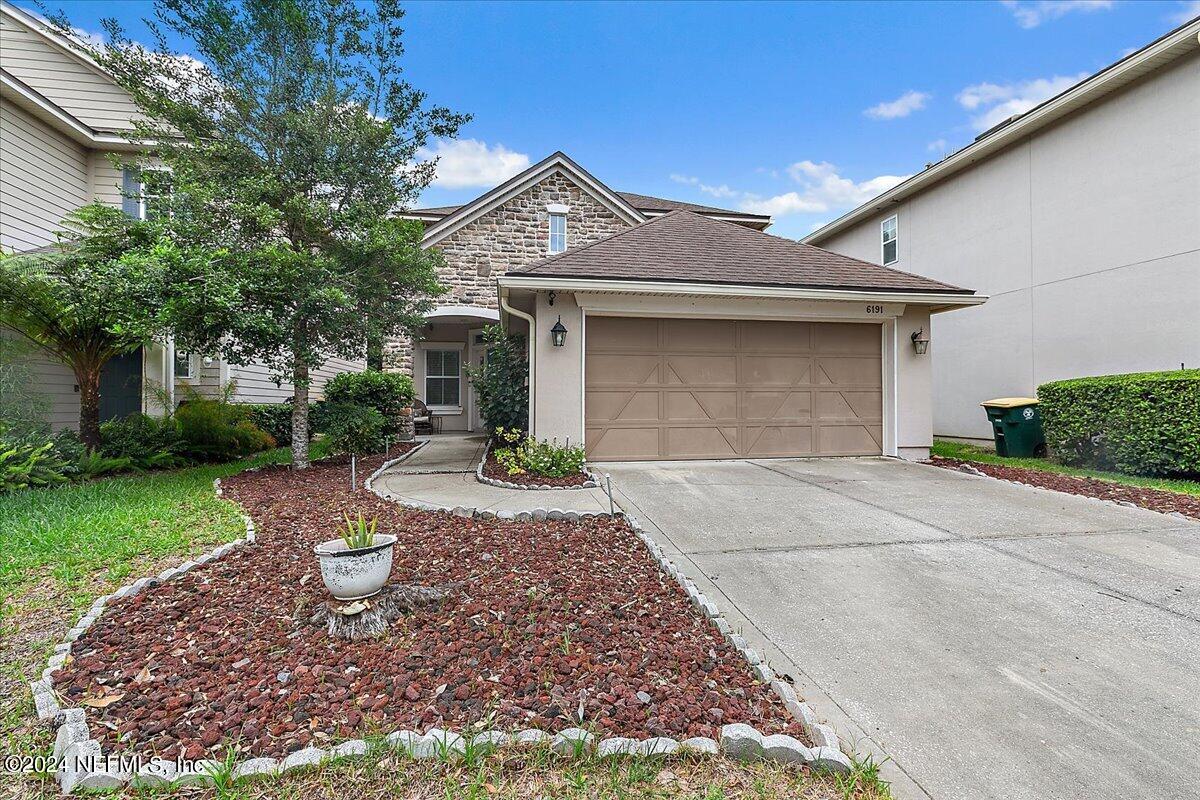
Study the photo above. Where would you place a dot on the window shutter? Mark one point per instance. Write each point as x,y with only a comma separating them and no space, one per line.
131,187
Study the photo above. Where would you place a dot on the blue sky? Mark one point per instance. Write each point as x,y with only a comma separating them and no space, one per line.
798,110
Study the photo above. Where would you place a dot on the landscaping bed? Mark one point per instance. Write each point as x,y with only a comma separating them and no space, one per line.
492,469
545,620
1153,499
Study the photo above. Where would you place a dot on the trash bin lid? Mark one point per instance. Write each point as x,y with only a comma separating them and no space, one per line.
1009,402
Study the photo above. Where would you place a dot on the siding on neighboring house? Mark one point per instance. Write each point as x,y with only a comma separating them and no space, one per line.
254,383
43,175
80,89
1086,235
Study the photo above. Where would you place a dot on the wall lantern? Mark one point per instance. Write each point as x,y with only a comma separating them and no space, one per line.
559,332
920,342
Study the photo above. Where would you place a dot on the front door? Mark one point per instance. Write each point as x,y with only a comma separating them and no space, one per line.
121,386
476,352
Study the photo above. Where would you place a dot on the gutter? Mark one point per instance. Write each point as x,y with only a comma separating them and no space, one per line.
502,293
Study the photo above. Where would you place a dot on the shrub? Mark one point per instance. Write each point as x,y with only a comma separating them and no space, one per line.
389,393
528,455
147,442
217,430
500,384
1142,424
354,428
26,462
273,418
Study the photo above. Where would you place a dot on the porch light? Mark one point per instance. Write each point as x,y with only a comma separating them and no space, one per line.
920,342
559,332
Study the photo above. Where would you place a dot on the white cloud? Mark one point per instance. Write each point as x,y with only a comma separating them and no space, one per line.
781,204
1187,11
996,102
937,146
902,106
716,191
470,162
1033,14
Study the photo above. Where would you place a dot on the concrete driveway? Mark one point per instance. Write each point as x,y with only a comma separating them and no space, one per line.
992,641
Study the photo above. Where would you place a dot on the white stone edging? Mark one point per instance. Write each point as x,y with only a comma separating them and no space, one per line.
592,482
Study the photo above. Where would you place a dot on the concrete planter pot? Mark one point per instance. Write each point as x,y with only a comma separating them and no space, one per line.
355,574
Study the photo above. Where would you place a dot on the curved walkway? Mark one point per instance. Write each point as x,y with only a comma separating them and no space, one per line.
442,473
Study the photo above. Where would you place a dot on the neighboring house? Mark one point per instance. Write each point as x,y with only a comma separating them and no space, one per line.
1079,218
62,120
689,333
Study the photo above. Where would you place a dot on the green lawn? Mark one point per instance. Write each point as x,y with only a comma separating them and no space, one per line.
969,452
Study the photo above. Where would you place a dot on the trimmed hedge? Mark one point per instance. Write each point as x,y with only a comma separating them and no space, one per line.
389,393
1145,423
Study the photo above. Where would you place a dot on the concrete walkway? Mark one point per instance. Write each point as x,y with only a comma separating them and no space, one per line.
990,640
442,473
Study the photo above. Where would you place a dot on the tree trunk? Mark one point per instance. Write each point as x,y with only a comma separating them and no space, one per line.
88,379
300,416
374,351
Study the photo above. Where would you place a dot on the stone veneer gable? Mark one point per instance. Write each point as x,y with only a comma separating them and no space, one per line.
512,235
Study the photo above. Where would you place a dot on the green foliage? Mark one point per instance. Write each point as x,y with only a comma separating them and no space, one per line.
273,418
26,464
354,429
21,406
358,534
1142,423
291,139
100,293
544,459
214,429
92,464
147,442
389,393
500,383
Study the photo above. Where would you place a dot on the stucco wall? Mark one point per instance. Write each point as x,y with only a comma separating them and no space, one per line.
1086,236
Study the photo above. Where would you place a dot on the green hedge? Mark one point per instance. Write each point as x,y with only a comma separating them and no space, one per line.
389,393
1144,423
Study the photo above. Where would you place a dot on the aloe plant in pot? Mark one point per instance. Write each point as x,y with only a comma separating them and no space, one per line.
356,565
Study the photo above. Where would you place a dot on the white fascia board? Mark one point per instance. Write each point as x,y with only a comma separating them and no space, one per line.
535,283
469,212
1109,79
58,118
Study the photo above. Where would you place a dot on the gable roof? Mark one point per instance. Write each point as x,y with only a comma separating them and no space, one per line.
683,246
648,205
556,162
1162,51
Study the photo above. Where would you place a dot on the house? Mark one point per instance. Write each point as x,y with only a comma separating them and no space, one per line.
64,127
1079,218
664,330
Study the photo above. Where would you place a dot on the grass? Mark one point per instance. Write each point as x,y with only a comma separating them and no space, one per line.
535,772
970,452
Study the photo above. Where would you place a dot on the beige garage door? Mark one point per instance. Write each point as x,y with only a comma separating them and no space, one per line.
697,388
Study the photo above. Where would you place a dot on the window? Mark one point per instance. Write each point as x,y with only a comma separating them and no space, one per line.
442,378
889,236
144,193
558,233
183,364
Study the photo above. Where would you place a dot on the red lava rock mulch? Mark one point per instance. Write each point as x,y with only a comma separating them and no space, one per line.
492,469
1153,499
546,617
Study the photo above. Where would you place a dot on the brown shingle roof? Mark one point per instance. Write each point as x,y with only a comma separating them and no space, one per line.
684,246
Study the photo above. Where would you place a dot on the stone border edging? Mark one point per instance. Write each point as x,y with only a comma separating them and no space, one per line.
83,766
592,482
967,468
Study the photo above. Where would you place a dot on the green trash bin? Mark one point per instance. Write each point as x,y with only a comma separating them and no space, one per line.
1016,426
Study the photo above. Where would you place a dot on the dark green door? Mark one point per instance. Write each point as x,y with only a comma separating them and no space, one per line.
121,386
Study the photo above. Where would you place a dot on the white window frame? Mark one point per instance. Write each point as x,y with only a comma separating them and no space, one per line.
894,218
442,410
192,362
556,210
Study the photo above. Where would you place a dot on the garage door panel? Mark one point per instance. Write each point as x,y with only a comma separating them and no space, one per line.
702,442
609,369
622,406
726,389
775,370
779,440
780,405
704,370
700,334
700,405
772,336
622,443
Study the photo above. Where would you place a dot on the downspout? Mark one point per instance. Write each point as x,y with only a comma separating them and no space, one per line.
502,293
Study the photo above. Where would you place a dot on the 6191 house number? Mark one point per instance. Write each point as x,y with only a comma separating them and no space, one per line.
874,309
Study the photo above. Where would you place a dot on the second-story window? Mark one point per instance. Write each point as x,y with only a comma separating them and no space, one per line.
889,234
558,232
145,193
